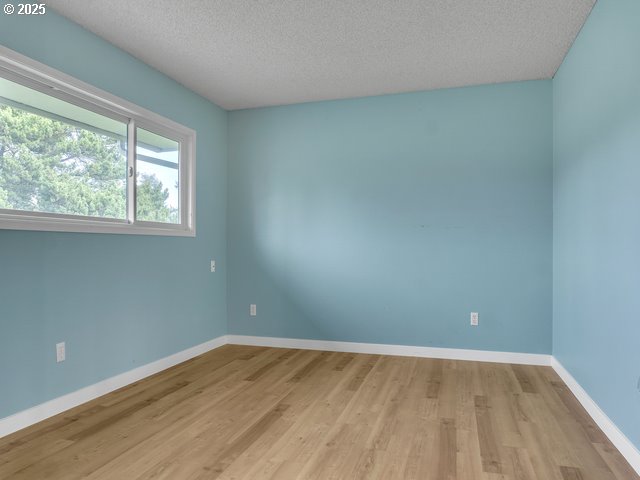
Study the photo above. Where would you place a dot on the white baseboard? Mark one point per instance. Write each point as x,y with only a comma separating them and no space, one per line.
610,429
399,350
36,414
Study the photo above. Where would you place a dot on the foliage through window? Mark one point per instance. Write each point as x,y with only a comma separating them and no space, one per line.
51,166
62,157
157,182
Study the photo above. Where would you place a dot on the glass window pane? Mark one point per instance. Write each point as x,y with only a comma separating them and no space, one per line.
56,157
157,178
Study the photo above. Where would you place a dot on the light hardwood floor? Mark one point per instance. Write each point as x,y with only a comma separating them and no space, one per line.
265,413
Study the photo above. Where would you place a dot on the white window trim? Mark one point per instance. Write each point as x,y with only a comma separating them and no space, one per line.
87,96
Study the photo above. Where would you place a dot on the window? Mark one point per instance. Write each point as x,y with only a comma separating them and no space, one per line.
74,158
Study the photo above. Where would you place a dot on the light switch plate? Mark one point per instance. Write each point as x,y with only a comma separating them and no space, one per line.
61,353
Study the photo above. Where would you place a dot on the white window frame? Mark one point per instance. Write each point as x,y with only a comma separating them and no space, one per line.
35,75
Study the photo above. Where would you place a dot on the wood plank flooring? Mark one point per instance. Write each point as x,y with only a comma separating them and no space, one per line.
264,413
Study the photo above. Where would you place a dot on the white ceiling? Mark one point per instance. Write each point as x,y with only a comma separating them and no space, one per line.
252,53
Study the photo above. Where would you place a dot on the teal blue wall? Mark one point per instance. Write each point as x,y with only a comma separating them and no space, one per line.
597,211
119,301
389,219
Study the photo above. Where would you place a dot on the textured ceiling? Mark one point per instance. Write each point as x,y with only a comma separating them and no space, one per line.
251,53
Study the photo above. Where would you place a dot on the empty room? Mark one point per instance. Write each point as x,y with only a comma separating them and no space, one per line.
320,239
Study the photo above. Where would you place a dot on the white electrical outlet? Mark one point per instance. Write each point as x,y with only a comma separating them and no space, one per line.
252,310
213,265
474,319
61,353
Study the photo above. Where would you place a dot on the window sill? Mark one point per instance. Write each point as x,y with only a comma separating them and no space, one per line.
48,224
